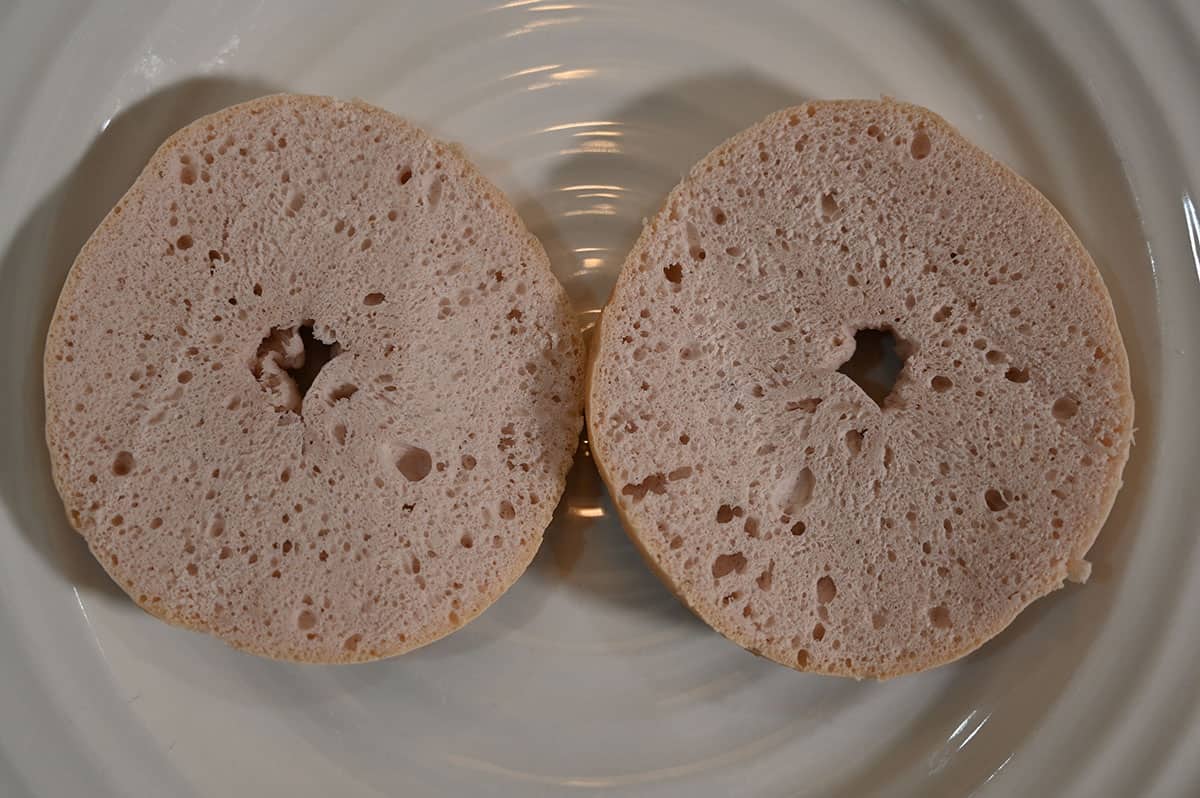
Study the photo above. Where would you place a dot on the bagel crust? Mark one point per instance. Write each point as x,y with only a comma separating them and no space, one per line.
780,502
311,386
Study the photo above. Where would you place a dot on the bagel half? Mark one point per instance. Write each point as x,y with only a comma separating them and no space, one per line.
311,386
786,507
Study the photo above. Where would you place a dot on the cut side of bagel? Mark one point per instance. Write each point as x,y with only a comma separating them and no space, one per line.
311,386
790,510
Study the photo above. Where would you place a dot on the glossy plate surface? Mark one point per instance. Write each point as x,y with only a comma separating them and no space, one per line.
588,677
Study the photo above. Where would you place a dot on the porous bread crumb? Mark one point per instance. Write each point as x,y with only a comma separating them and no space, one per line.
402,491
828,532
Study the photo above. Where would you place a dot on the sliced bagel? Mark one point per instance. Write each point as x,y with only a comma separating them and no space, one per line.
791,511
311,386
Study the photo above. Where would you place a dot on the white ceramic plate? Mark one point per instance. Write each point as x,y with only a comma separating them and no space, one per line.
588,677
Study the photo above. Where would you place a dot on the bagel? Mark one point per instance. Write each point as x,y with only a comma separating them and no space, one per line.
311,386
794,513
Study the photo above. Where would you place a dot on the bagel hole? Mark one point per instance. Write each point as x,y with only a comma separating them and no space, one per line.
316,354
876,363
300,365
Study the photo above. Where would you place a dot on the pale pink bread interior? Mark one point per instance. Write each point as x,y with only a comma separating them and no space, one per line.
781,503
412,484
